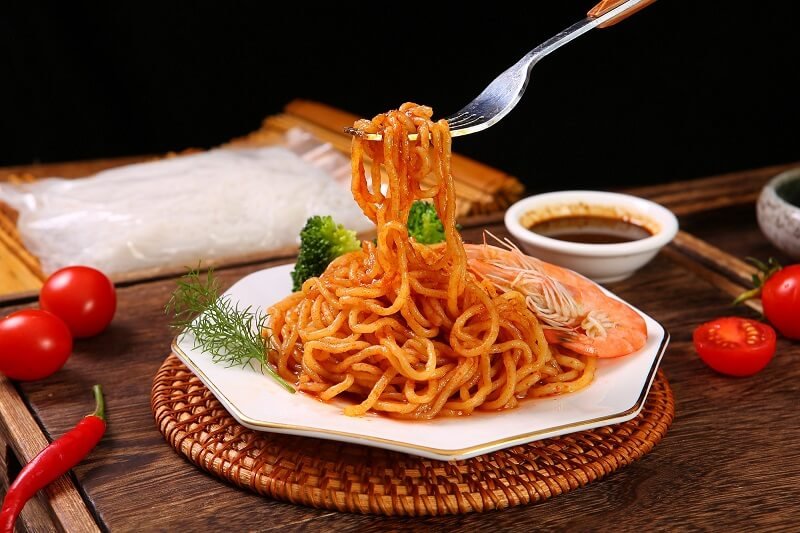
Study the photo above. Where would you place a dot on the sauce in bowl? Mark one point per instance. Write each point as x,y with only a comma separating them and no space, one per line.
589,223
591,229
604,236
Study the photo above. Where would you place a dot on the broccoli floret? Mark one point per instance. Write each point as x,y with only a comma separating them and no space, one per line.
321,241
424,223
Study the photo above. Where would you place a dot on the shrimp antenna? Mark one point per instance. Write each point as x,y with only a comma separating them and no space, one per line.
505,242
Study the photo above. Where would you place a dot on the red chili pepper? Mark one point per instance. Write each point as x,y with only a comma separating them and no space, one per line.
54,461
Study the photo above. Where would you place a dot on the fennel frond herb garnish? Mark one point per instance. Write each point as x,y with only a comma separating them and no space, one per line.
230,335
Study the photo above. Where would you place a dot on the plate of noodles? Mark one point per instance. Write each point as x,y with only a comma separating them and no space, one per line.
616,394
446,350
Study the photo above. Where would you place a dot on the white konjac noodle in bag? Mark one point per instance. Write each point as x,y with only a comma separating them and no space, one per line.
177,211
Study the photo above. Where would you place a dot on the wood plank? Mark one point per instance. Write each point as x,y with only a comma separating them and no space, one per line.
35,516
715,192
136,481
23,434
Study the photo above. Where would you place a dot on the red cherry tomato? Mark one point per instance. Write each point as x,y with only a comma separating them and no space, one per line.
33,344
735,346
84,298
780,296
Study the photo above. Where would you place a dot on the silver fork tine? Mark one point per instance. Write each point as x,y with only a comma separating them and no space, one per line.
463,119
465,112
453,118
472,119
505,91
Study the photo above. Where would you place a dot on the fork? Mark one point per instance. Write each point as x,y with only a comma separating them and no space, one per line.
503,94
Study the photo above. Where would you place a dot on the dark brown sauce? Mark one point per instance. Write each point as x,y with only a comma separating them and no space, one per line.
591,229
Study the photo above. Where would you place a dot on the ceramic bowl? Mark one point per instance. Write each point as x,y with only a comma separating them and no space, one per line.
603,263
778,212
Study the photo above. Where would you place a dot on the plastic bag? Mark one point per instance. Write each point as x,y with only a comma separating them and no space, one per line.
178,211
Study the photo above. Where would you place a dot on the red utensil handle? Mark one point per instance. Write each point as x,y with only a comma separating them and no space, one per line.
607,5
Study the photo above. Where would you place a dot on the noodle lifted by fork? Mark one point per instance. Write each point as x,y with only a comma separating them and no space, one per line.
401,326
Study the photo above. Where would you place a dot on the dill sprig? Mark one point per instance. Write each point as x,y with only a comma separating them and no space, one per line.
230,335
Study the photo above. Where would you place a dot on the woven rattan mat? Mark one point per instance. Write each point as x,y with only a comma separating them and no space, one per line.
349,477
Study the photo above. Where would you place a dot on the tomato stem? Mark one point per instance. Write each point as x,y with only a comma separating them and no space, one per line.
100,404
765,271
752,293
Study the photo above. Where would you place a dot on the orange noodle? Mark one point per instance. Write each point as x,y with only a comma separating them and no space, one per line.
401,327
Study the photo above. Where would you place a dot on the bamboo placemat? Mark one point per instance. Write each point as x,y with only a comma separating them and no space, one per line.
480,189
353,478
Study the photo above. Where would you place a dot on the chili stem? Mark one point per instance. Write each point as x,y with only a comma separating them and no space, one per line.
100,403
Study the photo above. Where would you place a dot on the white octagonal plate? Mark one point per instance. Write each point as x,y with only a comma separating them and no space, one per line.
617,394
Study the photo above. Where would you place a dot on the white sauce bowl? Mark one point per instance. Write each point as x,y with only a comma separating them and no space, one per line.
603,263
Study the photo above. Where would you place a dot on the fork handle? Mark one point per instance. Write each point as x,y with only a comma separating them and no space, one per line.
607,5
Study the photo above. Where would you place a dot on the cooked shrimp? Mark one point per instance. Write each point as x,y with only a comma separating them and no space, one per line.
575,312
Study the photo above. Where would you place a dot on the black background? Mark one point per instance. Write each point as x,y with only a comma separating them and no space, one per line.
685,88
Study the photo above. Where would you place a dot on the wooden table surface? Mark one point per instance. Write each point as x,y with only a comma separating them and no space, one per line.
730,461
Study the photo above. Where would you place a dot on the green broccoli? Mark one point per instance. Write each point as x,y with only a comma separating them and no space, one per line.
424,223
321,241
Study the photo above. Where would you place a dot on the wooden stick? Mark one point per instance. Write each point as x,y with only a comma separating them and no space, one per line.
715,259
713,265
731,288
479,175
70,169
11,242
465,196
342,143
15,276
336,120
